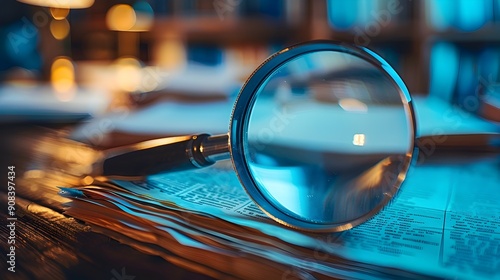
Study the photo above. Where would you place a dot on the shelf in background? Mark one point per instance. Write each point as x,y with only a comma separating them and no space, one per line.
486,34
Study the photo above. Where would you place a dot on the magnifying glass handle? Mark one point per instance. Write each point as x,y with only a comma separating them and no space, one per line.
164,154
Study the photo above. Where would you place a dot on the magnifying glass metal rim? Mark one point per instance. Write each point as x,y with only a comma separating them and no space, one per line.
238,128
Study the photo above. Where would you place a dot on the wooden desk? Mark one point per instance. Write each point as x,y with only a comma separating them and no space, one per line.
49,245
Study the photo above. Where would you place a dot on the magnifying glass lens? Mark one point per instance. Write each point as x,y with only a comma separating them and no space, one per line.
321,138
329,137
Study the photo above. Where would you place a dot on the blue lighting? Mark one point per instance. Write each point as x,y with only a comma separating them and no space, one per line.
467,83
489,68
441,13
19,42
473,14
342,14
443,70
465,15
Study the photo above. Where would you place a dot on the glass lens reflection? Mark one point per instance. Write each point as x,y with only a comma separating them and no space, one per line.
329,138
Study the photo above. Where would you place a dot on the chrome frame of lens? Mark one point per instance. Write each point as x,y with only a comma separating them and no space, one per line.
239,125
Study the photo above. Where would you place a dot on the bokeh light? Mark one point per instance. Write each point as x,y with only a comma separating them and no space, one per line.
63,78
170,53
128,74
121,17
59,28
59,13
65,4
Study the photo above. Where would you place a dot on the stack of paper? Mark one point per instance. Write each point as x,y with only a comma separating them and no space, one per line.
438,225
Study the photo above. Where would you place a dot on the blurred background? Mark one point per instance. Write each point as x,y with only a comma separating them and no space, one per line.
62,59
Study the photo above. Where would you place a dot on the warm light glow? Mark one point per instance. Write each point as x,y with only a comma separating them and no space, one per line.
59,13
170,53
34,174
63,78
88,180
358,140
128,74
353,105
59,28
66,4
121,17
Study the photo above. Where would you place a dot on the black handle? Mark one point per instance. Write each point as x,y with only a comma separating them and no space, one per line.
154,156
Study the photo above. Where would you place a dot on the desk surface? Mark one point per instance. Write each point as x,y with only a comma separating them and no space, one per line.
50,245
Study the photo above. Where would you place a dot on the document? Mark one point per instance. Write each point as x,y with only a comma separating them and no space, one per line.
444,222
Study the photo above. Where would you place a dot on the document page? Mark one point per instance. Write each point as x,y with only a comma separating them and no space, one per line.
445,220
472,232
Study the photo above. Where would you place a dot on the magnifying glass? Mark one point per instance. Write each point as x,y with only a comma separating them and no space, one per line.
321,137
